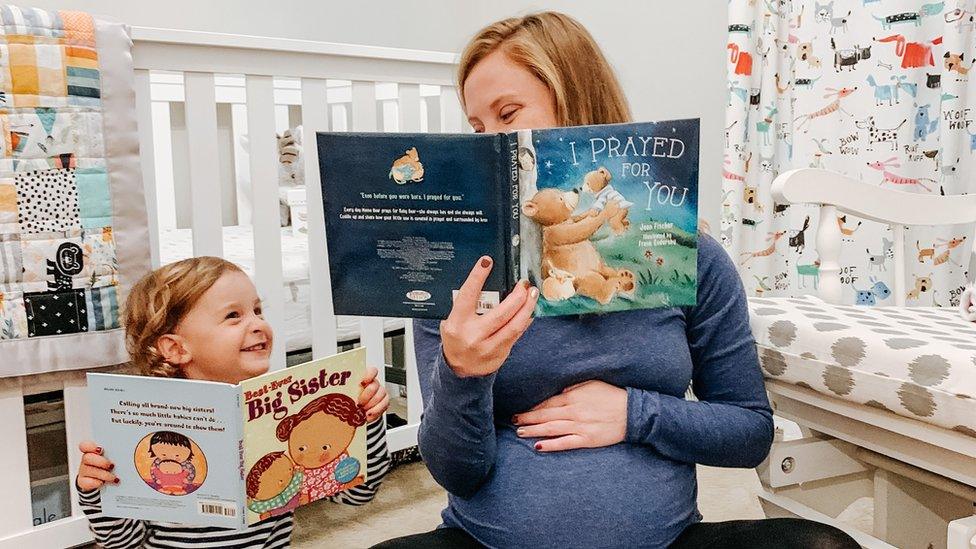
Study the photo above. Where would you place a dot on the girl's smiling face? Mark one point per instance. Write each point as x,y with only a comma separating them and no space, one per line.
224,337
501,95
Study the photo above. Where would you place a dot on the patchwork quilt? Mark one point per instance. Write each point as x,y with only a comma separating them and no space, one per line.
73,230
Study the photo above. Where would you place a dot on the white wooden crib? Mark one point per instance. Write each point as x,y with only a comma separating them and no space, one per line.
268,84
921,476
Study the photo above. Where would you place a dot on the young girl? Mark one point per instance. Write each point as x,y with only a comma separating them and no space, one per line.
201,319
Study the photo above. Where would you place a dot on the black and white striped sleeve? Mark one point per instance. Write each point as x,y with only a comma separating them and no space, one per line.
110,533
377,465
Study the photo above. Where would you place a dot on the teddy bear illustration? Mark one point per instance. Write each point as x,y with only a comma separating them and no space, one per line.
598,184
566,244
407,168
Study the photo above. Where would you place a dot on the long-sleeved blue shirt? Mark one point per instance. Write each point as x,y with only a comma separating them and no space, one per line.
638,493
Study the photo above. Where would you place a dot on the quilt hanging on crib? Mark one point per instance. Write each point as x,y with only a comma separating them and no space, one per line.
73,229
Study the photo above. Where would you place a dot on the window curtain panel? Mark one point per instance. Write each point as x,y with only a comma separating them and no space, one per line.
877,90
73,229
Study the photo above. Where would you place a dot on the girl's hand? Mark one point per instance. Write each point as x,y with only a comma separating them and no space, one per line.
478,345
374,398
95,470
588,415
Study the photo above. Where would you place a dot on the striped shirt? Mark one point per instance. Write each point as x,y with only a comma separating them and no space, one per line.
271,533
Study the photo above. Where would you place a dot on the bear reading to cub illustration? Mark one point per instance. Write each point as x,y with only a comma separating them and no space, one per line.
571,264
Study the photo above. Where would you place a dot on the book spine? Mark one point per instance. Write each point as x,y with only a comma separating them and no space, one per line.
512,214
242,492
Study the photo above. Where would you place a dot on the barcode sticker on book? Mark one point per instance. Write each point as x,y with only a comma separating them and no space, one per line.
205,507
487,301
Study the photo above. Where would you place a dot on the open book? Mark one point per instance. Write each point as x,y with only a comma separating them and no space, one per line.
599,218
215,454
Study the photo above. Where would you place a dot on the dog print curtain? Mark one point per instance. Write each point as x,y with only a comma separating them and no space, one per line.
875,89
73,230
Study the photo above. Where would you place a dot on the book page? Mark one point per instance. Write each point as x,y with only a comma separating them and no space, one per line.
304,433
610,216
174,443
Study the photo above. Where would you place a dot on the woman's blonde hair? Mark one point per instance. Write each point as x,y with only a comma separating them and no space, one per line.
560,52
159,301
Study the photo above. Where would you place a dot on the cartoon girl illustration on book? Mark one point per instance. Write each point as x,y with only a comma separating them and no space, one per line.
171,468
318,438
274,485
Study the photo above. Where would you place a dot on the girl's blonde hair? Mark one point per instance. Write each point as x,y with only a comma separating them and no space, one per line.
159,301
560,52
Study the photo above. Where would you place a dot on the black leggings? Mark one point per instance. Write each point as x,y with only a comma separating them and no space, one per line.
783,533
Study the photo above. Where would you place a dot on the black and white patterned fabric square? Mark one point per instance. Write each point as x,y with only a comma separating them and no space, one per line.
47,201
56,313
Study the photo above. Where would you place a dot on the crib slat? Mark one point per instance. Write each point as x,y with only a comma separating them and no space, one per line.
451,112
409,107
315,117
266,222
77,427
435,118
147,159
415,405
201,129
364,120
15,506
165,199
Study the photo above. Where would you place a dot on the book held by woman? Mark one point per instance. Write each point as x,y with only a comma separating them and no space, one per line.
599,218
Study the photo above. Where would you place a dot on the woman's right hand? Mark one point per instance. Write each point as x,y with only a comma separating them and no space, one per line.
95,470
477,345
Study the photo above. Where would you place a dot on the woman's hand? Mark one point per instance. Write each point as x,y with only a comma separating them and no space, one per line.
478,345
373,398
588,415
95,470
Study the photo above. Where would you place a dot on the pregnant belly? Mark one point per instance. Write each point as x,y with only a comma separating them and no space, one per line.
599,497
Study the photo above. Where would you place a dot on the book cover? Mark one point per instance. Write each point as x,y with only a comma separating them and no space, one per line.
174,445
214,454
599,218
304,434
610,216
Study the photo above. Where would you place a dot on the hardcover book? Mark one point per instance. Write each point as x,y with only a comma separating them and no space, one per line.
599,218
214,454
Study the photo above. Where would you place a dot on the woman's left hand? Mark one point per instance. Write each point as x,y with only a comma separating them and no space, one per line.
374,399
588,415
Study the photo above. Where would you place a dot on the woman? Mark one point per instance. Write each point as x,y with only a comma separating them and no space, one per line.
574,431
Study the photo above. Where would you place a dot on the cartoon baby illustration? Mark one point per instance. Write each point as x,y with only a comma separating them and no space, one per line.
172,469
274,485
318,438
598,184
407,168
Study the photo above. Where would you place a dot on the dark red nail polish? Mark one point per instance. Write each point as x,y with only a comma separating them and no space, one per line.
98,450
116,481
485,262
538,445
515,420
111,466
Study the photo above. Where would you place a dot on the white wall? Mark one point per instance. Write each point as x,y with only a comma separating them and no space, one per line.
670,56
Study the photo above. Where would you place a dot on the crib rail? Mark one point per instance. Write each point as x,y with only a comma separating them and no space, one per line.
325,86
